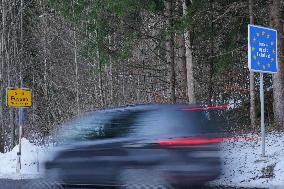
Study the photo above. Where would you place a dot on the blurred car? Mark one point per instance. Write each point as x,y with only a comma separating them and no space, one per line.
161,146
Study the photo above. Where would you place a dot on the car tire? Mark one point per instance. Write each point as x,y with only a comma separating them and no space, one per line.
142,179
43,184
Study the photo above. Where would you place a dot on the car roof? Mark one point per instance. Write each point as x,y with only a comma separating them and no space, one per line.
146,107
116,111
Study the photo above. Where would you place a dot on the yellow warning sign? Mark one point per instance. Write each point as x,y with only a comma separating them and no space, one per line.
19,97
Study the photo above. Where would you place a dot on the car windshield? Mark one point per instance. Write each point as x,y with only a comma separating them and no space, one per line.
97,126
146,123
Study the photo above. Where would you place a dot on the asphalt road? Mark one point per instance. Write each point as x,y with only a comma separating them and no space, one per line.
26,184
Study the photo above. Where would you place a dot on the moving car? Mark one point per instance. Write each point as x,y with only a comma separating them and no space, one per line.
160,146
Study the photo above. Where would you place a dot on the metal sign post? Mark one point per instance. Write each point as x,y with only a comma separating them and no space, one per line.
19,98
262,116
262,57
21,123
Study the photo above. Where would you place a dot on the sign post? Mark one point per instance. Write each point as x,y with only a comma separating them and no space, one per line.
262,116
262,58
19,98
21,123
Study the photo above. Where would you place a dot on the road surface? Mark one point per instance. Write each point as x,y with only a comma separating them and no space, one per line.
25,184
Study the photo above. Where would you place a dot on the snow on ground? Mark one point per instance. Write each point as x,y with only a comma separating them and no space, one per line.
244,166
8,161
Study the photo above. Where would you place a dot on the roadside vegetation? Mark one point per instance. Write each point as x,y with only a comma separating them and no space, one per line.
79,56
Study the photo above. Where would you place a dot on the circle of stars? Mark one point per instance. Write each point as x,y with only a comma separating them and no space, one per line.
263,65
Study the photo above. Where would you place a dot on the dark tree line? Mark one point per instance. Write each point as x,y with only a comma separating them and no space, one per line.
83,55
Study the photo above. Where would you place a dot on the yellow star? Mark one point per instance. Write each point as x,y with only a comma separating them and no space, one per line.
254,57
262,33
268,65
252,48
263,67
273,51
258,63
271,43
254,39
272,59
267,36
257,34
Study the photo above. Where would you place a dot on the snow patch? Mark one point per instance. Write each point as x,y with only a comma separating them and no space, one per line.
8,161
243,165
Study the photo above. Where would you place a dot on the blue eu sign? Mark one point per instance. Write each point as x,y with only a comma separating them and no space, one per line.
262,49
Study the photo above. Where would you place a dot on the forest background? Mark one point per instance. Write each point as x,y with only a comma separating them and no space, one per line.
83,55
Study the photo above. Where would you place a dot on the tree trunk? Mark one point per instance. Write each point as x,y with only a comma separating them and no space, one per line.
101,84
189,63
111,82
211,61
278,78
170,50
76,74
76,66
101,90
110,74
123,84
251,79
22,45
2,139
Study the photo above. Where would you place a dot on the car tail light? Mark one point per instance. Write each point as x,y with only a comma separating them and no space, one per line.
189,142
206,108
201,141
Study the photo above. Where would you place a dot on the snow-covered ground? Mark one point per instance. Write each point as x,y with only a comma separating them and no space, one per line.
8,161
243,164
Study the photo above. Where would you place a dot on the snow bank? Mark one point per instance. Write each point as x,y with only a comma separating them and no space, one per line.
8,161
244,166
242,162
